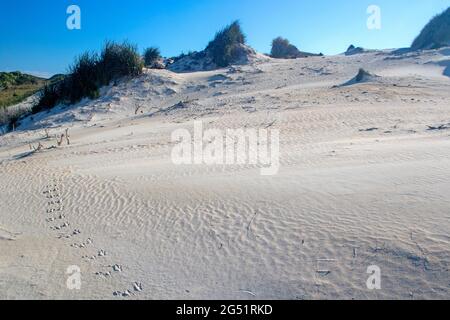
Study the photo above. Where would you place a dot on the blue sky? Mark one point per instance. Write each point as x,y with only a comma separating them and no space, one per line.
35,39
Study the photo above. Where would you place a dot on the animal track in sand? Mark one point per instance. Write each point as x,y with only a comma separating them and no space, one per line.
54,210
137,287
60,227
83,244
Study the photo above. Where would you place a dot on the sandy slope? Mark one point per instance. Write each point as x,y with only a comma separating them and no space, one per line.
363,181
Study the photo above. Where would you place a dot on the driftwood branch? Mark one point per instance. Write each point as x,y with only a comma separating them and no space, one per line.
66,136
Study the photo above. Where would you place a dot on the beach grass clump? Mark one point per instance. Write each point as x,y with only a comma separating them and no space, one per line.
151,56
224,49
90,72
83,80
119,60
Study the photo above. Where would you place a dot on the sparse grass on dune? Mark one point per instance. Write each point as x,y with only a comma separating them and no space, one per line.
90,72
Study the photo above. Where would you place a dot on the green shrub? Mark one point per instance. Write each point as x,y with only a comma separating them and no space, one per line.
223,48
151,55
282,49
435,34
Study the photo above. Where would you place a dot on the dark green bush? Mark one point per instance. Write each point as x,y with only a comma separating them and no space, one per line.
83,80
223,48
89,73
119,60
151,55
282,49
435,34
49,97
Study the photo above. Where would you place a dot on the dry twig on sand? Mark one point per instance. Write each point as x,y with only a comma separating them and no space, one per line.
62,137
35,149
47,135
138,107
59,142
67,137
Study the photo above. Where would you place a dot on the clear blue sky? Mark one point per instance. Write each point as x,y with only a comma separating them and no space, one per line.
34,36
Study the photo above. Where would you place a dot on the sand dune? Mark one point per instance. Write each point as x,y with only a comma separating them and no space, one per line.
363,181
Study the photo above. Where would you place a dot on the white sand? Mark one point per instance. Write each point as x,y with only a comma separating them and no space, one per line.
363,181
